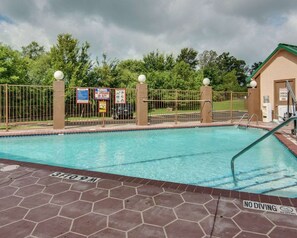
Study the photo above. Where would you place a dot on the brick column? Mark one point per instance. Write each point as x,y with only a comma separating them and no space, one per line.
141,106
253,103
206,106
59,105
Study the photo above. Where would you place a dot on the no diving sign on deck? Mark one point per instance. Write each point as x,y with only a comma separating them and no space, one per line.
81,178
267,207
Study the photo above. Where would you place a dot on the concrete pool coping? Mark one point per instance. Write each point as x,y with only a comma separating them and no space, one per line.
213,212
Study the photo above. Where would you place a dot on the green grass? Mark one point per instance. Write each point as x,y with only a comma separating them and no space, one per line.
237,105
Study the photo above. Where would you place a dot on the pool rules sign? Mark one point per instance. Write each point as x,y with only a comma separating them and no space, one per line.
268,207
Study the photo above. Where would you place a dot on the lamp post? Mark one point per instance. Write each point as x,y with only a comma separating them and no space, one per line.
59,101
206,103
253,100
141,105
253,83
206,81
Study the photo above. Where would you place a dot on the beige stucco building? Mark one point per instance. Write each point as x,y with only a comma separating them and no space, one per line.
271,77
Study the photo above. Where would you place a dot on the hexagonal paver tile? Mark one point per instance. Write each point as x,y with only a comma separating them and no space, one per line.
7,191
52,227
149,190
108,206
108,184
187,229
139,203
48,180
109,233
159,216
41,173
225,208
94,195
5,182
283,232
57,188
253,222
191,212
124,220
21,182
168,199
90,223
12,215
245,234
224,227
81,186
147,231
65,198
8,202
76,209
70,235
29,190
122,192
42,213
282,219
199,198
35,200
17,229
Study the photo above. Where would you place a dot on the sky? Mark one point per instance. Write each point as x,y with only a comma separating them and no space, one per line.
129,29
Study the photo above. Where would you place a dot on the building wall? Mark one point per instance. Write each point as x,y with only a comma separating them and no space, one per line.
282,66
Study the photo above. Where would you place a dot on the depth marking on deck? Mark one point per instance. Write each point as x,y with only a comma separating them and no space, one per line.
268,207
75,177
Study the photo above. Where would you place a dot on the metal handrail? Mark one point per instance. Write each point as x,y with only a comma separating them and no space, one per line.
256,142
251,119
243,117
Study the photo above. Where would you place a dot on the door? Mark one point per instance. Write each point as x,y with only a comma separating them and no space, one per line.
281,97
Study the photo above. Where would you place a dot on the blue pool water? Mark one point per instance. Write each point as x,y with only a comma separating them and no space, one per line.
199,156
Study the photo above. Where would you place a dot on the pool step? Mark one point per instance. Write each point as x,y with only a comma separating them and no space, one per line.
229,178
265,180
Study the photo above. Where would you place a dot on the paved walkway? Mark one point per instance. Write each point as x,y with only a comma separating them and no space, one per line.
34,204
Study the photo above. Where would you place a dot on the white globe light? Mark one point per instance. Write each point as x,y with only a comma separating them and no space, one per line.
253,84
206,81
58,75
141,78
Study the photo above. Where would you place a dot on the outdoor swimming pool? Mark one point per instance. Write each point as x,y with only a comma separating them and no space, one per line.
199,156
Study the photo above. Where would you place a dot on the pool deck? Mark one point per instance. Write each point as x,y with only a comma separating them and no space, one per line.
35,204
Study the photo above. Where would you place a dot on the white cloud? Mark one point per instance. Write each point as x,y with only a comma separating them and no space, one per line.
249,30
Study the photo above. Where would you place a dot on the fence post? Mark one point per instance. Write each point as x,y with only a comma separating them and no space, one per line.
141,106
59,101
6,107
206,104
176,105
231,106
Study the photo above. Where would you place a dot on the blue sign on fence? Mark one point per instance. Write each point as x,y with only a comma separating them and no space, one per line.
82,95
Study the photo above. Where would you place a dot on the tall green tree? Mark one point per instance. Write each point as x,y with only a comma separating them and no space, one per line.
189,56
33,50
105,73
74,60
13,67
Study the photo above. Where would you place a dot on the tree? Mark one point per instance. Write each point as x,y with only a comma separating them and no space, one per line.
13,68
207,58
73,60
105,74
254,67
228,63
189,56
33,50
155,61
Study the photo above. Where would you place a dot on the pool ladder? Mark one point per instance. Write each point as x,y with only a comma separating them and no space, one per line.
249,119
294,118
